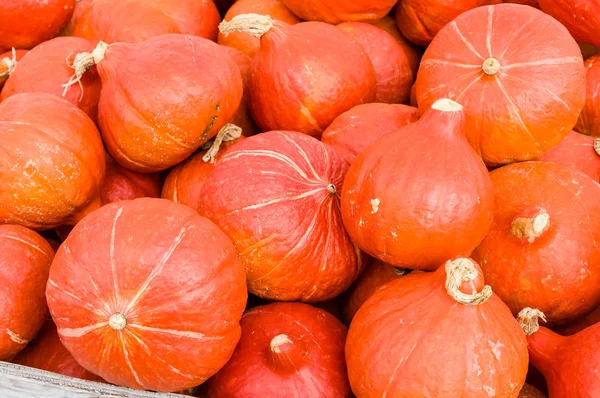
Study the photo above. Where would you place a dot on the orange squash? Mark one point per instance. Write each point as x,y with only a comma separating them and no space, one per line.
8,63
589,120
581,17
413,53
336,11
575,327
578,152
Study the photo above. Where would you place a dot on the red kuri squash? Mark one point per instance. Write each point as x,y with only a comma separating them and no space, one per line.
51,160
578,152
589,120
581,17
413,325
522,91
276,195
541,250
25,257
8,63
421,195
122,291
413,54
393,75
574,327
286,350
309,72
336,11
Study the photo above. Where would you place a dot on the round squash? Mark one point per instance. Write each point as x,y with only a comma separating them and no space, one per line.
51,161
578,152
522,92
286,350
276,195
26,23
25,257
427,162
393,75
581,17
353,131
589,120
122,291
413,53
575,327
8,63
336,11
289,73
529,391
541,250
413,325
44,70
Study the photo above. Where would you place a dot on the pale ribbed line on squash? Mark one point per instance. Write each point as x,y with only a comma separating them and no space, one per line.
478,78
26,243
514,111
285,199
128,361
111,251
513,35
83,303
464,40
488,39
550,61
176,333
556,97
79,332
15,337
304,155
435,62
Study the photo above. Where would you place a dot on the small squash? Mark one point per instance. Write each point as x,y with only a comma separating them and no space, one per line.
578,152
336,11
8,63
589,120
581,17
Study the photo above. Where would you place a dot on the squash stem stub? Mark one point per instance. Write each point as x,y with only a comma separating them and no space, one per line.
491,66
459,271
117,321
529,320
253,24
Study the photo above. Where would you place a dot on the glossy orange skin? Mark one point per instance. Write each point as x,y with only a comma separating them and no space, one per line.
532,3
401,335
581,17
80,9
45,70
26,23
570,365
244,42
413,54
575,327
26,259
393,74
530,104
4,73
51,160
559,271
434,194
135,20
46,352
589,120
577,152
182,282
312,365
530,392
150,130
336,11
269,194
310,72
353,131
243,118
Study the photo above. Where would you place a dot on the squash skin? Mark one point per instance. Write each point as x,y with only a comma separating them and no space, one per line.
577,152
336,11
589,120
315,348
187,267
581,17
4,72
575,327
545,100
413,53
557,269
26,257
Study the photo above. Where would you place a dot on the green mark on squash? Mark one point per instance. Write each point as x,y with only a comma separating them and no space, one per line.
209,126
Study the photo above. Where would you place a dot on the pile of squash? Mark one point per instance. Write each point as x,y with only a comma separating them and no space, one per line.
303,198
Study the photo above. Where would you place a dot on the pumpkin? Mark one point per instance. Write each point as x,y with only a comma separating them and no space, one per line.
131,21
420,195
413,54
353,131
589,120
541,250
121,291
291,74
575,327
44,70
26,23
248,44
46,352
183,183
276,195
569,363
25,257
8,63
51,160
420,20
578,152
393,75
286,350
522,92
336,11
199,95
401,335
581,17
529,391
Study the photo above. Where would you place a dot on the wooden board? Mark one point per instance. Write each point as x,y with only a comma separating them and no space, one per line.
18,381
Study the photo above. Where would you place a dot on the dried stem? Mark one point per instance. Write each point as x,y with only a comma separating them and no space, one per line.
252,24
529,320
530,228
81,64
597,146
10,63
229,132
459,271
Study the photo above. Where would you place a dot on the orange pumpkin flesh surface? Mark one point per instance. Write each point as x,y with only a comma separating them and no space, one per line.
286,350
530,392
589,120
575,327
336,11
25,257
541,250
412,326
51,160
131,21
310,73
413,54
420,195
522,93
8,63
45,70
353,131
571,364
26,23
276,195
393,75
146,307
244,42
578,152
46,352
581,17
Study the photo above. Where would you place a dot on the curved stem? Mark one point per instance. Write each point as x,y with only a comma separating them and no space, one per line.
253,24
459,271
82,63
531,228
229,132
10,63
529,320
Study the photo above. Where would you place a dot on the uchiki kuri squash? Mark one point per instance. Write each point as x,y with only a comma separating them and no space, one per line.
578,152
336,11
412,52
589,120
581,17
8,63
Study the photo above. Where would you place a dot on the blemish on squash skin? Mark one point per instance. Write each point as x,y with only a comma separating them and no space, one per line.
375,205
